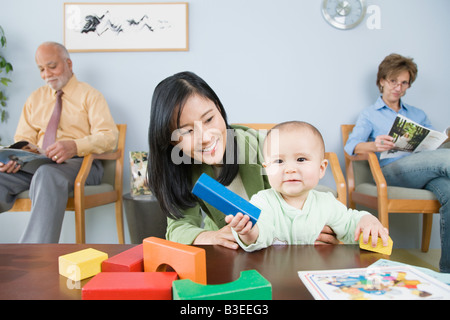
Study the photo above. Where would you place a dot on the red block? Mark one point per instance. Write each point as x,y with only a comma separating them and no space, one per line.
131,260
129,286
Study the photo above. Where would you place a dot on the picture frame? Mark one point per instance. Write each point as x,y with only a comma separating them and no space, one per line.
90,27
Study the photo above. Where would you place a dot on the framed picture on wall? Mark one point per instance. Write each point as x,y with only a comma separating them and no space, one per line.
126,26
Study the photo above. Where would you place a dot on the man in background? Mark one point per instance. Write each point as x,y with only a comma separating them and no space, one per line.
68,119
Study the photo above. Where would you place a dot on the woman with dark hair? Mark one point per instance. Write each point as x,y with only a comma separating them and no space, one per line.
423,170
189,135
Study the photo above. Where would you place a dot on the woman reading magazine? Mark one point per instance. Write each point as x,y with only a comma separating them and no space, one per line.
422,170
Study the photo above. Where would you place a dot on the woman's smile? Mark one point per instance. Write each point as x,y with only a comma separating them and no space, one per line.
211,147
203,131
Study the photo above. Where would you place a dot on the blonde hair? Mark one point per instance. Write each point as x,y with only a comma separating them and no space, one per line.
299,125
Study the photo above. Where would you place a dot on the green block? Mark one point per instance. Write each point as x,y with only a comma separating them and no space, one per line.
250,286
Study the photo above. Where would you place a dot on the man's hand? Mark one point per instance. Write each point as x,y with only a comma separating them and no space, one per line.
10,167
327,236
60,151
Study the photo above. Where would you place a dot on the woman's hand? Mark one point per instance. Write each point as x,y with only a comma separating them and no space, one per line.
222,237
327,236
383,143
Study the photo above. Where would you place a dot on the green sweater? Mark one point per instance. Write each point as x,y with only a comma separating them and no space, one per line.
249,144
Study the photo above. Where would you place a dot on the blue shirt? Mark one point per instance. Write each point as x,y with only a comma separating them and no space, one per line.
377,120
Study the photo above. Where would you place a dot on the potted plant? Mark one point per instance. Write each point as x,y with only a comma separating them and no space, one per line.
5,67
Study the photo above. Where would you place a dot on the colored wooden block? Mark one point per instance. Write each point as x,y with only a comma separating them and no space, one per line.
188,262
379,248
81,264
129,286
224,199
250,286
131,260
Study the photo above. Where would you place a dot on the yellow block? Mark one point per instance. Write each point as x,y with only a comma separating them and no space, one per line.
379,248
81,264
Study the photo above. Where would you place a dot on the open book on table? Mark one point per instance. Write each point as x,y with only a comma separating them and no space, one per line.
27,155
399,282
410,136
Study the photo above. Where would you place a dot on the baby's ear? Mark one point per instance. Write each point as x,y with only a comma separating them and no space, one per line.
323,167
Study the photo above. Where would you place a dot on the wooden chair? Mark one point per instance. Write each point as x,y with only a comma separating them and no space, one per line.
86,197
367,186
341,188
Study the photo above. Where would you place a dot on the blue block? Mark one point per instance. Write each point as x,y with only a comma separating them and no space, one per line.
221,198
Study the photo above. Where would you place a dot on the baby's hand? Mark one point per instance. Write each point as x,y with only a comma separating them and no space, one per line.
240,223
369,225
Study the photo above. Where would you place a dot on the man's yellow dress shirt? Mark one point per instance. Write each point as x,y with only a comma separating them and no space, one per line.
85,118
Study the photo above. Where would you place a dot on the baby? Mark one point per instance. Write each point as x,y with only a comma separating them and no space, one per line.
292,212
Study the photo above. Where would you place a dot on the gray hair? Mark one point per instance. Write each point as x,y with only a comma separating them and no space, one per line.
62,49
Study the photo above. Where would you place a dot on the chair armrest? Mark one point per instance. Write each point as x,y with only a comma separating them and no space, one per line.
356,157
82,175
378,177
341,187
107,155
375,169
86,165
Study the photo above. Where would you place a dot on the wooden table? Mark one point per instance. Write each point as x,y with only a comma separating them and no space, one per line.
30,271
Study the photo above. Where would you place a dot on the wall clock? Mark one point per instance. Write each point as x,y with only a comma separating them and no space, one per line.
344,14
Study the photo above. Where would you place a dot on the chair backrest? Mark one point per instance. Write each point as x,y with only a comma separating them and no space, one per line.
258,126
109,171
346,129
115,167
358,171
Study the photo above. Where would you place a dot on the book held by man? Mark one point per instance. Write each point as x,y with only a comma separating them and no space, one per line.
27,155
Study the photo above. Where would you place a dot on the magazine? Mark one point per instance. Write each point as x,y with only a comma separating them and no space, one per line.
374,283
27,155
410,136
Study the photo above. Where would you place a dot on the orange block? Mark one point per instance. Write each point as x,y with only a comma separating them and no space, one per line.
187,261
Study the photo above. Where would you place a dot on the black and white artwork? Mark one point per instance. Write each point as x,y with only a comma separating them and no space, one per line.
126,27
